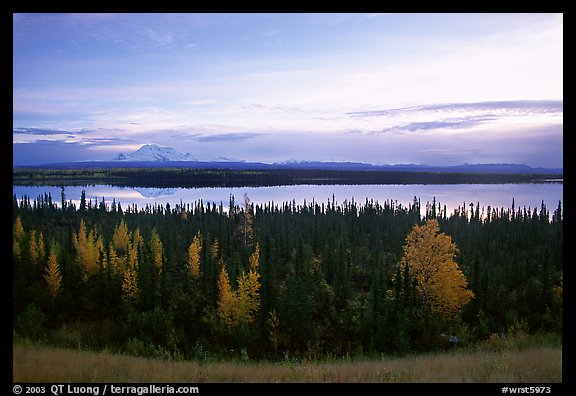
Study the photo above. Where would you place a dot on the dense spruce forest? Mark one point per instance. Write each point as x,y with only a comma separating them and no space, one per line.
245,177
305,280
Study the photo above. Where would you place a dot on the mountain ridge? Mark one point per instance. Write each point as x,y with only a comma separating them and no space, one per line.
308,165
154,155
155,152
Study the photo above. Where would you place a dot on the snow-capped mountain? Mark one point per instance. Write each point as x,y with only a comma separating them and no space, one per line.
155,153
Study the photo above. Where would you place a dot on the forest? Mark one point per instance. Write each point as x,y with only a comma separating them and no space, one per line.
245,177
268,281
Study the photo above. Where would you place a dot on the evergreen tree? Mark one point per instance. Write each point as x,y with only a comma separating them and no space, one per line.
246,227
325,278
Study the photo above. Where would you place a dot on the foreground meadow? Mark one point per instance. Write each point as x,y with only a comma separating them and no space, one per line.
34,363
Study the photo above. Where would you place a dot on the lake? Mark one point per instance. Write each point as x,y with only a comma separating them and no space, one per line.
529,195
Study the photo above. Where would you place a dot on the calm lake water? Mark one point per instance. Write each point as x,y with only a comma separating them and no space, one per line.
451,195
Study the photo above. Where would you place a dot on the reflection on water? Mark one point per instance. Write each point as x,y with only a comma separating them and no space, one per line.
155,193
451,195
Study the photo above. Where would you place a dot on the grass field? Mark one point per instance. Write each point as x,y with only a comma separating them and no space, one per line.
36,363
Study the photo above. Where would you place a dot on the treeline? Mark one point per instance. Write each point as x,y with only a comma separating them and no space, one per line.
192,177
318,279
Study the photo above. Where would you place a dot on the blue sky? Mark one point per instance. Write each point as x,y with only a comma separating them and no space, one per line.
438,89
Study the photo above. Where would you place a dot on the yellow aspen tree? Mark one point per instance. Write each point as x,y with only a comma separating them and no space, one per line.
52,275
194,255
32,252
80,241
430,256
16,248
226,299
242,300
130,289
121,238
254,281
40,249
254,260
242,304
18,235
87,251
18,228
156,250
137,239
113,260
247,297
131,256
94,245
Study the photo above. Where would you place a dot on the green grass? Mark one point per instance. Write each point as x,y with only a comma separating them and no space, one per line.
535,364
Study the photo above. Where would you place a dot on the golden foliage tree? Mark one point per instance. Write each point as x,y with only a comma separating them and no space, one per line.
252,287
123,258
18,228
18,235
226,299
52,275
121,238
242,304
87,250
36,250
156,249
113,260
32,252
137,239
246,298
194,255
40,249
132,256
254,260
430,256
130,289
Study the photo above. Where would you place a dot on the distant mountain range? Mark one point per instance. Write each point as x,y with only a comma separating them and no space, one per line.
155,156
154,152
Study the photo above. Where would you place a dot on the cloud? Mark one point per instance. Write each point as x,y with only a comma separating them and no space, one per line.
200,102
330,86
461,116
162,38
517,106
454,123
226,137
40,131
47,151
92,139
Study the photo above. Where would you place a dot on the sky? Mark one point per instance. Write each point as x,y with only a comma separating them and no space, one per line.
435,89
